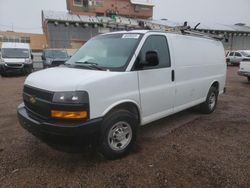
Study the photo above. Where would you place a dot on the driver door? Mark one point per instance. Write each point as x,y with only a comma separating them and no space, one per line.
156,84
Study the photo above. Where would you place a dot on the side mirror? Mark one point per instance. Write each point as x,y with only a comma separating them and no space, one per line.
32,56
151,59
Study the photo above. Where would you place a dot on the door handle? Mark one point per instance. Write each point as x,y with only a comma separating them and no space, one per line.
173,76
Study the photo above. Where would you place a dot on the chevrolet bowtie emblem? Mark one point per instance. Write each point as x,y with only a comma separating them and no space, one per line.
32,99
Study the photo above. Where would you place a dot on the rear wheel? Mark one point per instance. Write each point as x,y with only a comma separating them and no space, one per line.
248,79
211,102
118,135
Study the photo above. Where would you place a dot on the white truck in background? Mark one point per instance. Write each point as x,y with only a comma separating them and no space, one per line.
119,81
15,58
235,57
245,69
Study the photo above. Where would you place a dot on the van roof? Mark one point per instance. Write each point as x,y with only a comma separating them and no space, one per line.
132,31
15,45
194,34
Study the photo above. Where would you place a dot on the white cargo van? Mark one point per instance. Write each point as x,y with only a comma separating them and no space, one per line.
15,57
119,81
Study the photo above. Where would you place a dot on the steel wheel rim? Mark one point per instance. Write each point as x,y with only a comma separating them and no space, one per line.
212,101
119,136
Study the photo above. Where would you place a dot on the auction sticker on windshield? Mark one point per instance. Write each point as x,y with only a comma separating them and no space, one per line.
130,36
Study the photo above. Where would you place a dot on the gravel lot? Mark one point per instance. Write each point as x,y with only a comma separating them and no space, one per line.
185,150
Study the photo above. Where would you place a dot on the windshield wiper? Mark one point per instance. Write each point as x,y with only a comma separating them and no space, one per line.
89,64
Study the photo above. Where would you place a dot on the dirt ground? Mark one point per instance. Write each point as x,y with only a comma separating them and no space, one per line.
185,150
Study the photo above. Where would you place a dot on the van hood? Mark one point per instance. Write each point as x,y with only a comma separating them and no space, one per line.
14,60
66,79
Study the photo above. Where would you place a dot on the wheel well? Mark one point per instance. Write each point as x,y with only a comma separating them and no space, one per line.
216,85
130,107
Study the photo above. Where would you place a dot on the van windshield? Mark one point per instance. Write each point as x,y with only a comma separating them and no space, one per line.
112,51
55,54
15,53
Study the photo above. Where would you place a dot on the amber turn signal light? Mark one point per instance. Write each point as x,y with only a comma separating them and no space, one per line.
69,115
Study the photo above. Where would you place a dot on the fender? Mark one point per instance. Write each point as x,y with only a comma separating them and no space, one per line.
213,83
107,110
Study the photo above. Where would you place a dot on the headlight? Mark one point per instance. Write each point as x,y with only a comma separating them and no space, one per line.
75,97
28,61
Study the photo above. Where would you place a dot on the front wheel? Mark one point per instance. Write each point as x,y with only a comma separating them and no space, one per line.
211,102
118,134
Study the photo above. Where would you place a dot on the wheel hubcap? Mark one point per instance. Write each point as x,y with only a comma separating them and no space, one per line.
212,100
120,136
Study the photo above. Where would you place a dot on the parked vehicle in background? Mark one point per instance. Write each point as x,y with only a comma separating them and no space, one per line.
37,61
245,69
119,81
235,57
54,57
16,58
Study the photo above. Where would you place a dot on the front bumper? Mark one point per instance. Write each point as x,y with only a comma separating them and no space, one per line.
244,73
9,68
39,126
53,63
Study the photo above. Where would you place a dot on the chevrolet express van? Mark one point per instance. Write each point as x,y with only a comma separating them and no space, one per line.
119,81
15,58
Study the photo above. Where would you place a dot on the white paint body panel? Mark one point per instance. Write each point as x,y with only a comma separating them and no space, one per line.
197,62
245,66
105,89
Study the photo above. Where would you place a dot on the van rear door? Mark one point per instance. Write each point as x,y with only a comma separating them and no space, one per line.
156,86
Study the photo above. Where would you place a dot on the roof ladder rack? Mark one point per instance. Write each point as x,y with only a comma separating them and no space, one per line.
198,33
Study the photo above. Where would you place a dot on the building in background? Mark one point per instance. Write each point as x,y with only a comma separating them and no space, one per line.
88,18
65,30
37,41
236,37
126,8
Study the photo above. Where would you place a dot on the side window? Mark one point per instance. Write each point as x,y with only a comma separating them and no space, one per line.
231,54
237,54
157,43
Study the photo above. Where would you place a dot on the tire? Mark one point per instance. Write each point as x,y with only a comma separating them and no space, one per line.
211,102
123,125
248,78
